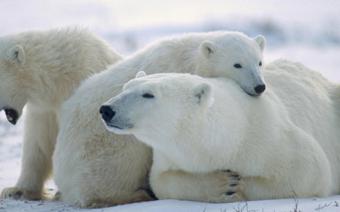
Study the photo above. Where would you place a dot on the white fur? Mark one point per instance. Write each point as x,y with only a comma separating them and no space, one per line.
283,144
41,69
96,168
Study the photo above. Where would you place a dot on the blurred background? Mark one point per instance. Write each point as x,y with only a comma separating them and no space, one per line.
307,31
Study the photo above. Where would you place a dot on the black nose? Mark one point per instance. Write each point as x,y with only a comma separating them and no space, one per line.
260,88
107,113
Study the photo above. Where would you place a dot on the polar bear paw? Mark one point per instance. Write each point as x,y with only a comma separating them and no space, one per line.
19,193
138,196
227,187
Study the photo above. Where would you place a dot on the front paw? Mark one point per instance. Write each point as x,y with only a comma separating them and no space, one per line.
228,187
233,186
18,193
138,196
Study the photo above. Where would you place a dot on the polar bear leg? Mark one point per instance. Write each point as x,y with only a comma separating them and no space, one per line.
39,139
218,186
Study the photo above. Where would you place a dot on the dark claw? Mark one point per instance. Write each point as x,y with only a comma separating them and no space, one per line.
18,194
229,193
228,170
233,185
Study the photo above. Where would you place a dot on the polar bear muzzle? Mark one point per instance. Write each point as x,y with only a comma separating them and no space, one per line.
107,113
12,115
260,88
113,121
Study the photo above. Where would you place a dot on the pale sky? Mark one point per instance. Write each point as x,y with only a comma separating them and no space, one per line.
19,15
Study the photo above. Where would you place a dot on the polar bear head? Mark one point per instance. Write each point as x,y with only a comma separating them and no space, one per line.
235,56
146,102
12,94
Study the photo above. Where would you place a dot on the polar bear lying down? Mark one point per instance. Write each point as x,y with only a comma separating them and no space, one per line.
283,144
95,168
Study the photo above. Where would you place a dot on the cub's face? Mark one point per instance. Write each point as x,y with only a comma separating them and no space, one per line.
154,105
237,57
12,94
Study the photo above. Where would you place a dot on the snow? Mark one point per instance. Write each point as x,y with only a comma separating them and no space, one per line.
307,31
283,205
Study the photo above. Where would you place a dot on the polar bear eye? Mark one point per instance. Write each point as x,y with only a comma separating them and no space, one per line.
260,63
148,96
237,65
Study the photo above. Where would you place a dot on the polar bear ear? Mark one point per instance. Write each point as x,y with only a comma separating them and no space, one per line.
16,54
140,74
207,48
202,94
261,41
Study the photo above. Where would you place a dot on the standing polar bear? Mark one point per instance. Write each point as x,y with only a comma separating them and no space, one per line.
93,167
40,69
284,144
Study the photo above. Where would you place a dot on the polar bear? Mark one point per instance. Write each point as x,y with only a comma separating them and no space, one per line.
94,168
40,69
283,144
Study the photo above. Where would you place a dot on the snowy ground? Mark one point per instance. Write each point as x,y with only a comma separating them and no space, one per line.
307,31
330,204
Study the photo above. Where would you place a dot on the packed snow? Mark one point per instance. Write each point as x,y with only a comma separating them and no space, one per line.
307,31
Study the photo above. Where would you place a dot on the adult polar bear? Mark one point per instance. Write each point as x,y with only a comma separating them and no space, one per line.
41,69
283,144
93,167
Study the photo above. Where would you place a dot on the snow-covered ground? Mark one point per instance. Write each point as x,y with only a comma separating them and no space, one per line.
330,204
307,31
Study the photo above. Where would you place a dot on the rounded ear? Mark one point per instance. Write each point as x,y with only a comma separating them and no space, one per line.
140,74
202,94
261,41
16,54
207,48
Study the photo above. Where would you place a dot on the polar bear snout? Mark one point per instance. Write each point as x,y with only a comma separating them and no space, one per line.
12,114
260,88
113,121
107,113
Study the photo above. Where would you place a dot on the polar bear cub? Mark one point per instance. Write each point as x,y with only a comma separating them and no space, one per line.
278,153
234,56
